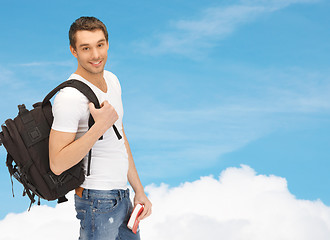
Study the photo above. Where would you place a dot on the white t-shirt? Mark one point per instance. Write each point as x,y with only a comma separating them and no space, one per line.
109,163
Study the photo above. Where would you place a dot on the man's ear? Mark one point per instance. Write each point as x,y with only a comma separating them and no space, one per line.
73,51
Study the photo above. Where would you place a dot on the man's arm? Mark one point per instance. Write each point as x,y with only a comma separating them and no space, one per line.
134,180
65,152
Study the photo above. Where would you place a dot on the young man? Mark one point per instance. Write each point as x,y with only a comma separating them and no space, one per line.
102,202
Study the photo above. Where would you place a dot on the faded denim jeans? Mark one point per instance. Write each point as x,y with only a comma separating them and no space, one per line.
104,215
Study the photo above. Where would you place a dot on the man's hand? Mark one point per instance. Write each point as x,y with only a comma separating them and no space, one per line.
142,198
65,151
105,117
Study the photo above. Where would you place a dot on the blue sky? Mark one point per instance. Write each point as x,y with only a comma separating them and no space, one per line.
206,85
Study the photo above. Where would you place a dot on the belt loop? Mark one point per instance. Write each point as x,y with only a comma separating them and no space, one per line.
87,193
127,193
120,195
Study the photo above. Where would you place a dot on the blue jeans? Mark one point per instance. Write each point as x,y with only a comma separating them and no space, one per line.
104,215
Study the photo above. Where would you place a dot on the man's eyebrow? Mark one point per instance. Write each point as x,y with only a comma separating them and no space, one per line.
84,45
87,44
102,40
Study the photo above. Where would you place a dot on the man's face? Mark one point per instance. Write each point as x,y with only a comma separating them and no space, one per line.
91,51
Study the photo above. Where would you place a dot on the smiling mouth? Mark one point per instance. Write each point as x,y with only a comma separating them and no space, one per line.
96,64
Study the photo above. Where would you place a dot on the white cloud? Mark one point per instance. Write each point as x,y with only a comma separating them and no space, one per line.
67,63
190,37
275,4
239,205
42,222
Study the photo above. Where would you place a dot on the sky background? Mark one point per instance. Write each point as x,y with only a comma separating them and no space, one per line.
206,85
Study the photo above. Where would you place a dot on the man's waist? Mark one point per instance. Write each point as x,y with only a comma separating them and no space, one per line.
80,191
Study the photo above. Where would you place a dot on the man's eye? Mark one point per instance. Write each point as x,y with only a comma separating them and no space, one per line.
85,49
101,45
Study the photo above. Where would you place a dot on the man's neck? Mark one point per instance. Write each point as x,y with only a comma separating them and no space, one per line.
96,79
91,77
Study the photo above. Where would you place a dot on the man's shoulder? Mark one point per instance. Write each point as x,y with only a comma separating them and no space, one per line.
71,94
110,75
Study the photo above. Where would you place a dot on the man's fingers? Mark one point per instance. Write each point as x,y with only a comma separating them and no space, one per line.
142,215
104,103
91,107
146,212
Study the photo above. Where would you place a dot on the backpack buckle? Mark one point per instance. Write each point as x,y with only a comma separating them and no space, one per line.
34,134
53,179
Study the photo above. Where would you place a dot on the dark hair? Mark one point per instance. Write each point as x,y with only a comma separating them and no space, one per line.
86,23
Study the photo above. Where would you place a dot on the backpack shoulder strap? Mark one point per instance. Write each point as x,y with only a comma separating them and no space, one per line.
80,86
84,89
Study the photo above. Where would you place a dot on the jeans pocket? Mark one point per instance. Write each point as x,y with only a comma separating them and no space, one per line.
106,205
81,215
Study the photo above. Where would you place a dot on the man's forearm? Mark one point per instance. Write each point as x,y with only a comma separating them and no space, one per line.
74,152
132,174
134,180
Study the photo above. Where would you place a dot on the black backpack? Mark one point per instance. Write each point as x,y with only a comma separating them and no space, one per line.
26,140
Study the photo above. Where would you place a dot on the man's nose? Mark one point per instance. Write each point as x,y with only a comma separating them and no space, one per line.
95,53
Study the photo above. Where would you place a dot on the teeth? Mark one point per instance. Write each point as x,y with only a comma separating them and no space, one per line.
96,62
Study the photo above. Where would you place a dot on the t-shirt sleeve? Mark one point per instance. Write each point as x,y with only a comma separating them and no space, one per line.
117,83
68,109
